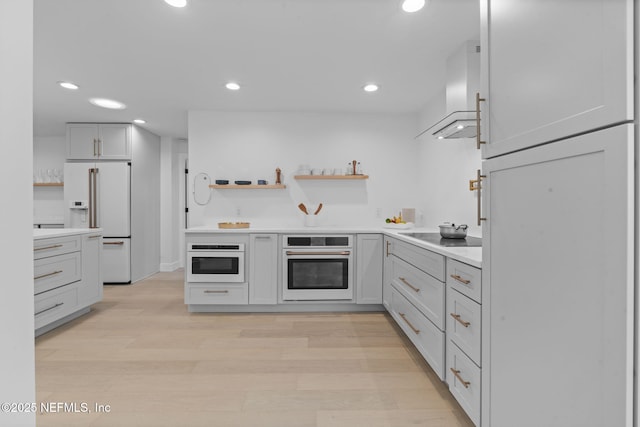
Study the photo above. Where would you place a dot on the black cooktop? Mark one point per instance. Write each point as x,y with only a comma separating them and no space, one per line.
437,239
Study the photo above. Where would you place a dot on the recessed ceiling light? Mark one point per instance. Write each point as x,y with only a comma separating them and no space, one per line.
108,103
139,121
371,87
232,86
176,3
412,5
68,85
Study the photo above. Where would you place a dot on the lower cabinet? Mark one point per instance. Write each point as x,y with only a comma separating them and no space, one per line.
463,378
217,293
369,269
67,278
436,302
263,269
88,292
464,336
428,339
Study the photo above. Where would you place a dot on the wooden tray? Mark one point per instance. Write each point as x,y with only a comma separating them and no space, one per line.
233,225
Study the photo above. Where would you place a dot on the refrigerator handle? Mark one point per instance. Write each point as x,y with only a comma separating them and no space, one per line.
93,199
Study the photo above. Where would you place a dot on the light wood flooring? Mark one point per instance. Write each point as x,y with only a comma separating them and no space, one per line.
141,352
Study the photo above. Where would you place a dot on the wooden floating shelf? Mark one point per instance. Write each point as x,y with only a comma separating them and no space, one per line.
48,184
331,177
248,187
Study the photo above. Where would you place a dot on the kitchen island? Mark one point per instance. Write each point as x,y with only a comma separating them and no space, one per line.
67,274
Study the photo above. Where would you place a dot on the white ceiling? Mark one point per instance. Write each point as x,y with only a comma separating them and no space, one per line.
288,55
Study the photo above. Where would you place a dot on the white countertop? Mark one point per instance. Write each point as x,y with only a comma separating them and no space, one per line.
471,256
48,233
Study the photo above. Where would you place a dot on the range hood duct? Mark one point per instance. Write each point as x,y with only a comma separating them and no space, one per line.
463,82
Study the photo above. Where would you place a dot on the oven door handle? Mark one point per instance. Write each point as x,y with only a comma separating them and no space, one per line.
319,253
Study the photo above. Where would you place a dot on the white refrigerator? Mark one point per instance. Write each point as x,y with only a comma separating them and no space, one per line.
98,195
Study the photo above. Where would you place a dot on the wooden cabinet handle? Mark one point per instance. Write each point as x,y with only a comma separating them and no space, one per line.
413,328
466,384
460,279
403,280
459,319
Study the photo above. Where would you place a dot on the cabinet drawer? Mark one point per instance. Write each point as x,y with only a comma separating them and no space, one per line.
427,261
43,248
463,323
55,304
463,378
427,338
217,294
424,291
465,279
56,271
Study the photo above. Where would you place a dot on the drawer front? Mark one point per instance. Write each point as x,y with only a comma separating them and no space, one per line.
465,279
427,261
217,294
463,378
464,323
427,338
56,271
43,248
424,291
53,305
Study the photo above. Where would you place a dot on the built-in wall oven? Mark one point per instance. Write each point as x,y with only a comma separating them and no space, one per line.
215,262
317,267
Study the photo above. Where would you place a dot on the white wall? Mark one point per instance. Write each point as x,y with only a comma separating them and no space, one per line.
446,166
17,369
250,146
171,202
48,202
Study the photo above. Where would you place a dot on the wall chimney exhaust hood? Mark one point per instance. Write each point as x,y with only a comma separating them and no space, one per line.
463,82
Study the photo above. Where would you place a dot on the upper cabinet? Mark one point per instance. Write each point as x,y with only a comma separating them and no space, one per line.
553,69
93,141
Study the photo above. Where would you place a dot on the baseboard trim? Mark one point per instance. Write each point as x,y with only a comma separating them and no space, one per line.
169,266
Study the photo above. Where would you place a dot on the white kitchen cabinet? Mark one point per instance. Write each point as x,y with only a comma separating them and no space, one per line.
90,290
414,295
92,141
424,291
464,380
66,278
558,283
263,269
428,339
552,69
217,294
369,268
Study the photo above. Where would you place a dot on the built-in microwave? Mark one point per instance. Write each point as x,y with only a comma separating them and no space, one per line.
215,262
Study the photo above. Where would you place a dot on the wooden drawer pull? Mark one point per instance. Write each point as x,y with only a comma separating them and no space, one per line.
460,279
47,275
466,384
458,318
47,247
417,331
225,291
403,280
